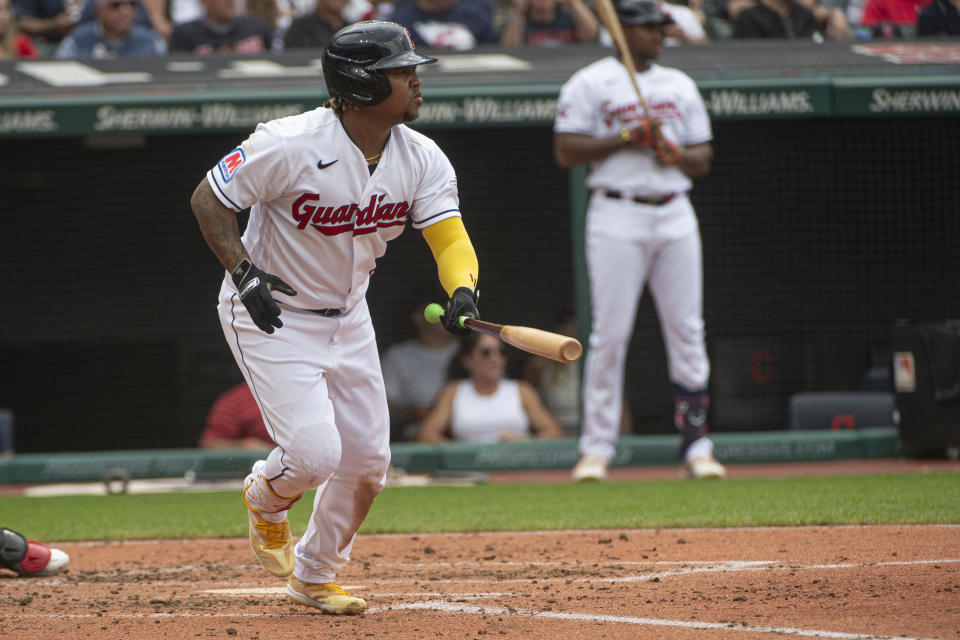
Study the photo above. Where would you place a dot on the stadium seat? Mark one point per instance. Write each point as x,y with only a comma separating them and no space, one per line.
842,410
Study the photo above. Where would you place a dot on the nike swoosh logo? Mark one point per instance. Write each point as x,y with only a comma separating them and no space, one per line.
321,165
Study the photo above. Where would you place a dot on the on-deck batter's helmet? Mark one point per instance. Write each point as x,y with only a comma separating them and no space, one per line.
356,54
641,12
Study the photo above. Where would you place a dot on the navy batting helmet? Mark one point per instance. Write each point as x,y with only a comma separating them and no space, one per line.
641,12
356,54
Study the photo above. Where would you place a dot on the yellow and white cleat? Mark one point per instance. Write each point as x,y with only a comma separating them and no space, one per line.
328,597
272,542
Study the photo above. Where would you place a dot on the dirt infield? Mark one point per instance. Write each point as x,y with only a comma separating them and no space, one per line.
848,583
838,582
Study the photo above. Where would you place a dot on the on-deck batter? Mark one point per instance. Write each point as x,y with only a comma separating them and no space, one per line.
328,189
641,230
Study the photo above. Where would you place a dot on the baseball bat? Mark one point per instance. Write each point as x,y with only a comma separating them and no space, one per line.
536,341
610,19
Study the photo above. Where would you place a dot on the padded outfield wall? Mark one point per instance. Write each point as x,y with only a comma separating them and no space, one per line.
831,212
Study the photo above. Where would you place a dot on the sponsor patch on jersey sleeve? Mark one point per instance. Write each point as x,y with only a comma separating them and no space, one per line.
230,163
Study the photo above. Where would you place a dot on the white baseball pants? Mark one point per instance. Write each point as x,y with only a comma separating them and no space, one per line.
629,245
318,383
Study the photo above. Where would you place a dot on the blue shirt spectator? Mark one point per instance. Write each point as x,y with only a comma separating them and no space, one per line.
112,35
46,21
159,22
447,24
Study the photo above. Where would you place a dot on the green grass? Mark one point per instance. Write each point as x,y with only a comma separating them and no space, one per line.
873,499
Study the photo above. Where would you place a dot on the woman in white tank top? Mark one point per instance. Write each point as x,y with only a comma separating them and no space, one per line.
480,405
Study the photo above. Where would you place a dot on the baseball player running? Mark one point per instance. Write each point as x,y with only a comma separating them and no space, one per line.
641,230
327,190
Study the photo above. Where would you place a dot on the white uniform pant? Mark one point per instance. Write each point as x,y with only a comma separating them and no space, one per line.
318,383
630,245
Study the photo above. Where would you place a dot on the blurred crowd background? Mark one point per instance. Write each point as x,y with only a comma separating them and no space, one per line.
117,28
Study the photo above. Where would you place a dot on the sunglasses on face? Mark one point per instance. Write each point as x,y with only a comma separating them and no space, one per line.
116,4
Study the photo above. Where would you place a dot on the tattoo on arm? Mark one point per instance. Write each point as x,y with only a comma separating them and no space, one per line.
218,224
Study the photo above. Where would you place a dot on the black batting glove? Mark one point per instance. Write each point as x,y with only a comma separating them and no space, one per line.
255,286
463,302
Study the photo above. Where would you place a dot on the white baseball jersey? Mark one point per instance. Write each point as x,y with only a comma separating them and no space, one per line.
319,220
599,100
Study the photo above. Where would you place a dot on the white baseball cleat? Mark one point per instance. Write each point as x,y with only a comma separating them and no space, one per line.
704,467
590,468
58,560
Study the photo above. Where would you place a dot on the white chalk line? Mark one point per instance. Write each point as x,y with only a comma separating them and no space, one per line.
649,622
717,567
698,566
282,591
687,568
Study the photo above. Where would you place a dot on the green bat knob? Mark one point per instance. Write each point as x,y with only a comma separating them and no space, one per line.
433,313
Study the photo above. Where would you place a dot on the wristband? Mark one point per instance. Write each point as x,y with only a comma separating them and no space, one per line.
240,271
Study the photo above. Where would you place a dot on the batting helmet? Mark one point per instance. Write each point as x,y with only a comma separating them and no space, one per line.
355,55
641,12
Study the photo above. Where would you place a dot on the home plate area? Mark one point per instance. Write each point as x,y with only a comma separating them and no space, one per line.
809,582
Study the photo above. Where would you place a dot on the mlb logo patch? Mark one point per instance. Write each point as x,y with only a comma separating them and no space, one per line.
904,372
230,163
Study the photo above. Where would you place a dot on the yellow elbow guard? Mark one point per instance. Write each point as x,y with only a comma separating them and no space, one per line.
453,252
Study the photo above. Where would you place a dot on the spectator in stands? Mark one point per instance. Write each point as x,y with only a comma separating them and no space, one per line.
357,10
151,14
687,27
6,430
314,29
459,25
786,19
480,405
415,370
13,44
278,14
940,18
45,21
234,422
269,13
183,11
557,383
549,23
112,35
730,9
892,18
29,558
853,10
221,30
831,22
